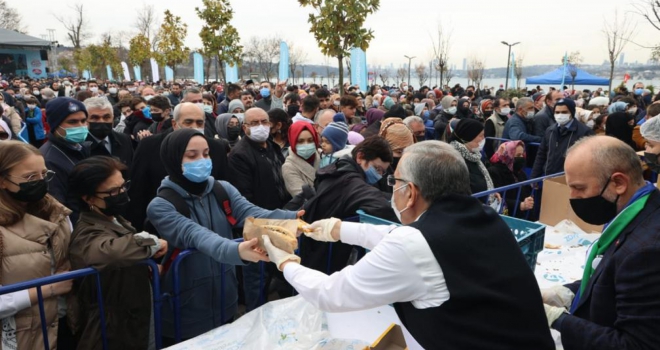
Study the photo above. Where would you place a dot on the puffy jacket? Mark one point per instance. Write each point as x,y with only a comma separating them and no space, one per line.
34,122
552,152
25,256
210,233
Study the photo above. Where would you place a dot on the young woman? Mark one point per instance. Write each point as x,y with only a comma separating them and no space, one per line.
34,239
104,240
303,161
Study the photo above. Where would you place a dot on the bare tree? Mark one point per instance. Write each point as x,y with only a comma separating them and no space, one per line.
384,77
518,71
297,56
449,74
475,72
649,10
618,35
77,28
421,73
401,75
572,62
313,75
10,19
263,51
441,45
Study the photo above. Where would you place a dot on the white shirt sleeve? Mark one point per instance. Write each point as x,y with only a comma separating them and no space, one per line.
363,235
12,303
387,274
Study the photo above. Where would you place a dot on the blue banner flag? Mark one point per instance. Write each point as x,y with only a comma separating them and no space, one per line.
198,67
109,71
284,61
359,68
231,73
169,73
137,71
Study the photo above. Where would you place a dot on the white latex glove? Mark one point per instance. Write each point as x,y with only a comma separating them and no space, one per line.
553,313
322,230
558,296
277,255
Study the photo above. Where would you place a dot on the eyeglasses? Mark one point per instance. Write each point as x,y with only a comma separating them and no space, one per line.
116,191
391,180
254,123
46,175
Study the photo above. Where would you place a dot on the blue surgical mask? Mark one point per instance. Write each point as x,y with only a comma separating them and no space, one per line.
146,111
305,151
639,92
76,135
198,171
326,160
372,175
265,92
426,115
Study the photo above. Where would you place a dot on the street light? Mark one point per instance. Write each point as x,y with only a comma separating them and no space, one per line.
508,62
409,60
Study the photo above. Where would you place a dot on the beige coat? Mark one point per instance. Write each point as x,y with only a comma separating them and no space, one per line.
297,172
26,256
15,119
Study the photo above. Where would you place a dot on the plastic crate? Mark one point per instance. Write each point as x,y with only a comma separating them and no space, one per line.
530,235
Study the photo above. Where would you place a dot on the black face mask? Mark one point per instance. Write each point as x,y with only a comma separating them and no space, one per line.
30,192
420,138
293,110
595,210
233,132
652,161
100,130
157,117
518,164
395,162
487,114
115,205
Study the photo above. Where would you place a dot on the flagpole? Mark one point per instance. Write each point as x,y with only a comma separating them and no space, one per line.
563,76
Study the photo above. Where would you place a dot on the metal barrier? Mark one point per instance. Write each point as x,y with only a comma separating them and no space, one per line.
39,282
503,190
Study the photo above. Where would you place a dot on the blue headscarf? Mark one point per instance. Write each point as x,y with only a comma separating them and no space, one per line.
617,107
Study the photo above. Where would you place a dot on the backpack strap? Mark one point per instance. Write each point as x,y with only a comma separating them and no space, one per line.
182,208
223,200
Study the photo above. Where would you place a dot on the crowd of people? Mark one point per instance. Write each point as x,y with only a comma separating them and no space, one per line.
105,174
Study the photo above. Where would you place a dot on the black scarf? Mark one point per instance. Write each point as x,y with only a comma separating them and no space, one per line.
171,154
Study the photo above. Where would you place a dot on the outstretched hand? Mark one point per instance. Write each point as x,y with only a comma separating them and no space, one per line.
249,251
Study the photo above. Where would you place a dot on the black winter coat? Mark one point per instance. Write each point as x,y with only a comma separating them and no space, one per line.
121,146
552,152
502,176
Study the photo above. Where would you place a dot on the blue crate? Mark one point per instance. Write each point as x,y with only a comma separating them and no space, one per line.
530,235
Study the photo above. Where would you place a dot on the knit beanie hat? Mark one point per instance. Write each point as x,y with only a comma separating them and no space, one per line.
468,129
396,112
568,103
337,132
397,134
60,108
388,103
354,138
233,104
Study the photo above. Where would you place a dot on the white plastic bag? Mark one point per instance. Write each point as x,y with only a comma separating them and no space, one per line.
290,323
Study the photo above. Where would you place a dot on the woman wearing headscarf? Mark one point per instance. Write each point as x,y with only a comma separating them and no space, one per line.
468,139
228,126
449,108
506,168
621,122
299,168
185,155
398,135
374,117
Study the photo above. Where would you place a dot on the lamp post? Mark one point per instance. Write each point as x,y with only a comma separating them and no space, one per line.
508,63
409,60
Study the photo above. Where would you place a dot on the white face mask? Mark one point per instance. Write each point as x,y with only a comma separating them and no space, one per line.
505,111
530,115
259,133
94,89
36,92
208,109
562,119
83,88
31,106
131,89
148,97
112,90
590,124
452,110
396,211
482,143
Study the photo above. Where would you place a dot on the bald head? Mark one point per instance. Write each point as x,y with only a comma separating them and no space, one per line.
189,115
255,114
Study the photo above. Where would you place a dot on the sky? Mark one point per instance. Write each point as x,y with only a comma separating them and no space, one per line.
545,29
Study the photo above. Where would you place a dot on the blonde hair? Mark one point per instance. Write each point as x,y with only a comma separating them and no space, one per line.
13,153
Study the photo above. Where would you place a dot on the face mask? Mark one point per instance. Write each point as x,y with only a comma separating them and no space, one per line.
201,106
259,133
115,205
94,89
83,88
208,109
426,115
264,92
336,103
562,118
100,130
518,163
530,115
157,117
76,135
36,92
112,91
148,97
30,192
131,89
396,211
31,106
372,176
292,110
505,111
305,151
198,171
166,93
632,111
639,92
652,161
233,132
591,124
452,110
482,143
420,138
595,210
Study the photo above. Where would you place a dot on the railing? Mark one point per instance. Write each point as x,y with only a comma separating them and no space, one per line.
39,282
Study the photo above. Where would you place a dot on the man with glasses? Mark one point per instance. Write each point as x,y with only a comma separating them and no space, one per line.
148,170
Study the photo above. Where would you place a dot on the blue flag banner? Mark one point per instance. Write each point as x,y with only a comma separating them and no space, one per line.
137,71
359,68
86,75
231,73
124,68
198,67
109,71
155,75
169,73
284,61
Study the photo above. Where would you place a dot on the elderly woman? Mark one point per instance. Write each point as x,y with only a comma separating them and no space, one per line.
104,240
507,169
303,160
468,139
449,108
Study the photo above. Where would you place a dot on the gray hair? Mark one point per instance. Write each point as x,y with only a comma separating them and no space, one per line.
48,93
191,90
522,102
100,102
177,110
412,119
612,157
321,112
436,168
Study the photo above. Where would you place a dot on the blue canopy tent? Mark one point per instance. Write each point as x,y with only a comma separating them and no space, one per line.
555,78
